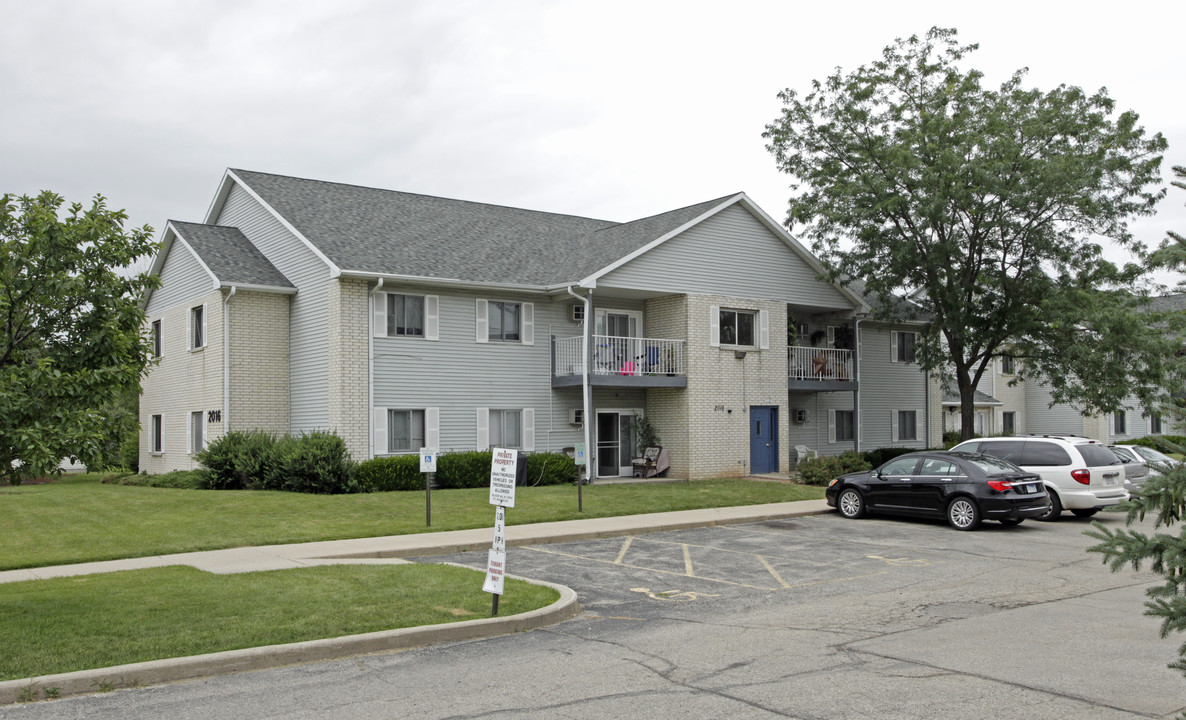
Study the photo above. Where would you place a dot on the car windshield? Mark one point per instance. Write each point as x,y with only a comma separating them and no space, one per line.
995,466
1153,455
1097,455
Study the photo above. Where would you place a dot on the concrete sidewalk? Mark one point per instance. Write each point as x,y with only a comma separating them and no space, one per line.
388,549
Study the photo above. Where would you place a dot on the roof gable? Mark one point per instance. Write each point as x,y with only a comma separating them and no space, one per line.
229,257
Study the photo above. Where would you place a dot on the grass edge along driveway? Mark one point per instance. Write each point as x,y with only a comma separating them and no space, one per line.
78,519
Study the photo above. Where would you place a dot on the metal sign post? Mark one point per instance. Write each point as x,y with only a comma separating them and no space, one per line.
579,459
428,466
505,469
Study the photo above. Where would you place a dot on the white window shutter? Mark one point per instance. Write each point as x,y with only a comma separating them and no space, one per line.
599,327
893,426
528,416
483,322
831,336
763,330
714,325
527,323
432,318
483,428
379,428
432,428
379,314
831,426
894,346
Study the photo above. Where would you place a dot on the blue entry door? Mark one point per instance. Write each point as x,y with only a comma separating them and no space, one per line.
763,439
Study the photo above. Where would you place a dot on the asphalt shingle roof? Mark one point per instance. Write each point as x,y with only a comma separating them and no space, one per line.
979,398
230,255
395,233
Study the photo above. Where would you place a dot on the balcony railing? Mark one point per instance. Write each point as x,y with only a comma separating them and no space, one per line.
812,363
621,356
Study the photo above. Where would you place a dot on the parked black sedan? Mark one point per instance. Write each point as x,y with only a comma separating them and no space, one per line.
963,487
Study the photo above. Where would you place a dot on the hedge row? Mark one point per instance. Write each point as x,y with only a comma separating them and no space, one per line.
319,463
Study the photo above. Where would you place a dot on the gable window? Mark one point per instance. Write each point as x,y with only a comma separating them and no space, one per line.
737,327
1119,423
157,440
405,315
503,321
197,327
903,346
156,338
1006,364
197,430
1155,424
505,428
405,430
844,425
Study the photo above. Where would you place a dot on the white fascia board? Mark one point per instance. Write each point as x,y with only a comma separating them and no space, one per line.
450,282
591,281
158,262
224,189
261,288
334,270
807,256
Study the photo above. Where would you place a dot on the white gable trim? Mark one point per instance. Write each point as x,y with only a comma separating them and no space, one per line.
220,199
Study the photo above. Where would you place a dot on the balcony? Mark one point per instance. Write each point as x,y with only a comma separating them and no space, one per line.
820,369
620,362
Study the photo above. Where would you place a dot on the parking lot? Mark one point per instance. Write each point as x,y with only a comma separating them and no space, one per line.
812,617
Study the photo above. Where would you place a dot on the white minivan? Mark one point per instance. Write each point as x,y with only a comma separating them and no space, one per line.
1080,474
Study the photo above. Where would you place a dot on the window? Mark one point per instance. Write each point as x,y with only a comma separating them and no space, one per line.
937,467
505,426
197,430
1009,423
197,327
844,425
157,441
405,316
405,430
1006,364
1154,424
901,466
1119,423
904,343
1041,454
156,338
907,427
737,327
503,321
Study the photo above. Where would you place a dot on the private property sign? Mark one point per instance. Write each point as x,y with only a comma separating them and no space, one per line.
503,471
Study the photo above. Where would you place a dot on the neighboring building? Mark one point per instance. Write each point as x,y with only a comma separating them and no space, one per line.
402,321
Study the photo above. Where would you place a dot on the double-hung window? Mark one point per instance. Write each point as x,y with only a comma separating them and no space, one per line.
157,441
1009,422
1007,365
1154,424
197,327
405,430
1119,423
738,327
405,315
844,425
505,428
156,338
904,425
503,321
197,430
903,346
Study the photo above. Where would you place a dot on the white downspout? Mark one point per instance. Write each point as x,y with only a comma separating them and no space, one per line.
371,365
226,360
586,397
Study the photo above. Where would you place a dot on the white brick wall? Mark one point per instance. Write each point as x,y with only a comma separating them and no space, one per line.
259,362
349,364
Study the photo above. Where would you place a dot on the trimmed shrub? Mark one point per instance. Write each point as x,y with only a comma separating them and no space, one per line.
819,470
313,463
384,474
238,460
554,468
468,469
180,479
882,455
1158,442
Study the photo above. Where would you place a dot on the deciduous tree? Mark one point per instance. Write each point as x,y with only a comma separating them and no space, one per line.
988,205
71,338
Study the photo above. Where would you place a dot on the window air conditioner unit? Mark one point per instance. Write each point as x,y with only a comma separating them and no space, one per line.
578,313
576,416
800,416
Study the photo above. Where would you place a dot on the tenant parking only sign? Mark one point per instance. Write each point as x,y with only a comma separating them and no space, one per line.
503,471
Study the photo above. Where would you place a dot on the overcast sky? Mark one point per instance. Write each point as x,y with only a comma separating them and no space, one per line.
613,110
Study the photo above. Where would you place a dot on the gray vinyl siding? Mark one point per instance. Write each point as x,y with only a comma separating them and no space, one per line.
457,374
182,279
1135,424
887,387
309,312
731,253
1041,419
814,432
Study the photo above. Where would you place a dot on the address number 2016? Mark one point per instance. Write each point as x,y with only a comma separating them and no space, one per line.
718,408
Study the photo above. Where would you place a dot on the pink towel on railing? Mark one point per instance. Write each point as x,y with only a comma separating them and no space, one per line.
628,367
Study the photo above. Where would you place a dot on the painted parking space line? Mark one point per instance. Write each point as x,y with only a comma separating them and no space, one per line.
773,572
623,551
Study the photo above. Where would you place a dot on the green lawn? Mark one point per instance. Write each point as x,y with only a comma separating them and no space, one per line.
94,621
77,519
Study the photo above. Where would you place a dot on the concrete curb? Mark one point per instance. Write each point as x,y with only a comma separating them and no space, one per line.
156,672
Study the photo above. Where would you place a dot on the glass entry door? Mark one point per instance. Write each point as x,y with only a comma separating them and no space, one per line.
615,443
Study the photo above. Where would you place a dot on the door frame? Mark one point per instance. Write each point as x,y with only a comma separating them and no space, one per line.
626,469
771,449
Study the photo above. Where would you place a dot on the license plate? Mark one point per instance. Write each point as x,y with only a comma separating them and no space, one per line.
1109,481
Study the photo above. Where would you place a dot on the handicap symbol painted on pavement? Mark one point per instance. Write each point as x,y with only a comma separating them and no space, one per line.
673,595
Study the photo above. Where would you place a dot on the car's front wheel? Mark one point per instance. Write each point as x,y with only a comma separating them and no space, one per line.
850,504
963,514
1055,508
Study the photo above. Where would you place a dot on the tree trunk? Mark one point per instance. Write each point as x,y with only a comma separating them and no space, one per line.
967,408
